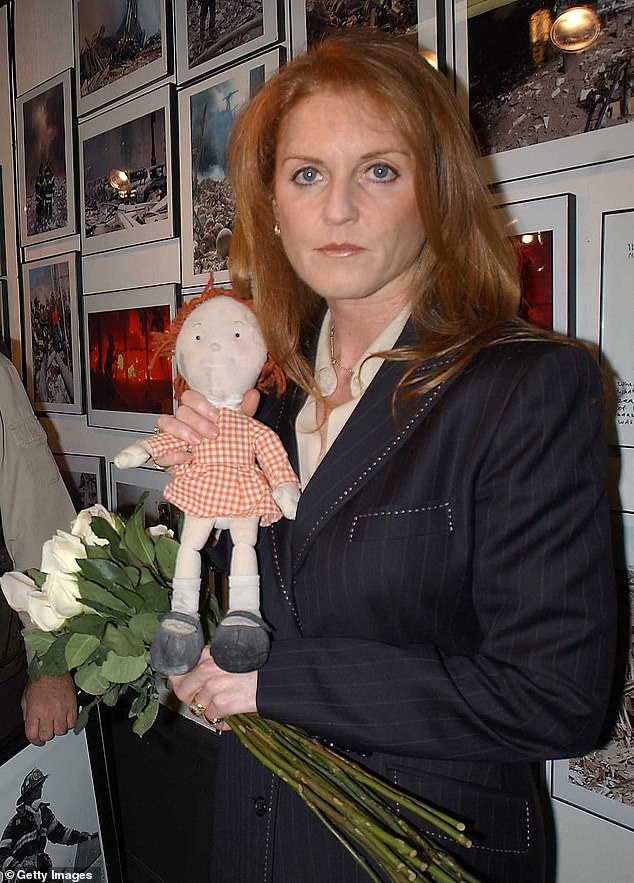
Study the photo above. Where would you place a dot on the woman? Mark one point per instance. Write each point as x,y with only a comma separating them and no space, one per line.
442,607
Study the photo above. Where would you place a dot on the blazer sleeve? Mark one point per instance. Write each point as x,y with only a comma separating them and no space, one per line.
543,591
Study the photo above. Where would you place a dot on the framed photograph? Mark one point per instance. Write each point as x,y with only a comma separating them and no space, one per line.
51,334
120,47
542,96
206,114
3,244
46,177
312,20
601,782
617,320
126,174
83,475
210,35
60,775
542,231
5,332
127,487
125,387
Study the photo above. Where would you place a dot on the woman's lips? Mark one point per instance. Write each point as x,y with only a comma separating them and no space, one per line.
340,249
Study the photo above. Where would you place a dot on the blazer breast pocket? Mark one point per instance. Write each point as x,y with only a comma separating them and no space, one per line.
394,523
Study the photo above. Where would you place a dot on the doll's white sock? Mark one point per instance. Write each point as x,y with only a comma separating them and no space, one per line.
244,593
186,595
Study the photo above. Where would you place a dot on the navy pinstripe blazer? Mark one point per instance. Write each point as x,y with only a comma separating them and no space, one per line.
444,604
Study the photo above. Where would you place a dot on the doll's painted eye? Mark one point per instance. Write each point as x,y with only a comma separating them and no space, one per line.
197,337
237,334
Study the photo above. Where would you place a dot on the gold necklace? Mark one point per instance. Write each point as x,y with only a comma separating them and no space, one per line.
335,362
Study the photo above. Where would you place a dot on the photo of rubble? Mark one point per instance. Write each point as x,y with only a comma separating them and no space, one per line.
535,261
115,39
44,152
324,17
51,317
523,90
214,28
125,176
213,111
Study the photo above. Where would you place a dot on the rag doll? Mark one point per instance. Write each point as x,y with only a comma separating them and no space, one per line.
238,481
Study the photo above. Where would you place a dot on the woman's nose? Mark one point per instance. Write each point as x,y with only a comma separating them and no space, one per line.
340,201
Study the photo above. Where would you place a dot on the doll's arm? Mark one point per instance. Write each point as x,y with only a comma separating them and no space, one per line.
134,455
274,463
286,496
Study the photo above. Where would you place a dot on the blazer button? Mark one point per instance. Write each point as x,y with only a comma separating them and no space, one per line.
260,806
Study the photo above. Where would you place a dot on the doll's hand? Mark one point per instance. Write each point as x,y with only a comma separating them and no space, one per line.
134,455
286,496
196,418
219,692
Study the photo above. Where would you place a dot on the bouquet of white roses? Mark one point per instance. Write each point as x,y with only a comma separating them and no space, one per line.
96,602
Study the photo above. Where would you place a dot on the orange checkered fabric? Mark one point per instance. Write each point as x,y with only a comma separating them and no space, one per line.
231,475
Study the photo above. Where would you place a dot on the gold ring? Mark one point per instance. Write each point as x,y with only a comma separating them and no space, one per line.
197,709
156,430
214,721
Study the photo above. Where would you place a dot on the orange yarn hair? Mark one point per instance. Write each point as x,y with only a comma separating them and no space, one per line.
271,378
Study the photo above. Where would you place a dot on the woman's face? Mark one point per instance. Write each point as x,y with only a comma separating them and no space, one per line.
345,201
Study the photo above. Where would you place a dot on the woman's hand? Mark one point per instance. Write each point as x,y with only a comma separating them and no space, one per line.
195,420
220,693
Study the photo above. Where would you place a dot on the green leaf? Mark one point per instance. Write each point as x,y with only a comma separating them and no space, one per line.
147,717
130,598
90,679
123,641
82,717
94,552
105,573
143,625
166,551
135,539
54,661
33,669
87,624
90,591
79,648
111,697
123,669
102,529
38,641
37,576
139,703
155,598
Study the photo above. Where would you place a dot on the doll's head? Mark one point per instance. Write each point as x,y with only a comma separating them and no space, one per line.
218,347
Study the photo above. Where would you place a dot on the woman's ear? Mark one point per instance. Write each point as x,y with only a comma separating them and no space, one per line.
274,207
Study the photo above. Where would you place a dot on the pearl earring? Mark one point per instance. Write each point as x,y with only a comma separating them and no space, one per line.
277,230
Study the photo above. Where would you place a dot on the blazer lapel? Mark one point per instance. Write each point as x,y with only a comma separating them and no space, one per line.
371,435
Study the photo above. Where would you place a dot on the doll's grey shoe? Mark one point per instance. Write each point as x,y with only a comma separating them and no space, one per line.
241,642
177,644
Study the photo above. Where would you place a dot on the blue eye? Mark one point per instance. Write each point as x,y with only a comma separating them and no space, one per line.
382,172
306,176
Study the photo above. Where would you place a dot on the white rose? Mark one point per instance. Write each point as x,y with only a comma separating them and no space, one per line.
42,613
17,588
159,530
62,593
60,553
81,528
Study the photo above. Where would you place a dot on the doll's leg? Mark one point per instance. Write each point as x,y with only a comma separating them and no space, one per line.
178,641
241,640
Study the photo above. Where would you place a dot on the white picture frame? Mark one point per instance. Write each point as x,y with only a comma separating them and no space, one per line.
126,486
135,206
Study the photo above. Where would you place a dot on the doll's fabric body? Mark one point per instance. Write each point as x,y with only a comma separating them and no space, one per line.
231,475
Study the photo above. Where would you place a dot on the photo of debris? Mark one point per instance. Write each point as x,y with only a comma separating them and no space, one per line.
83,476
523,90
44,157
123,376
324,17
116,39
125,177
212,114
214,28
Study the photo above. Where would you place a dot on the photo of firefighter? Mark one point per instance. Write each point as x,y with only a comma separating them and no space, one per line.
215,27
125,176
45,161
527,85
116,38
51,334
123,374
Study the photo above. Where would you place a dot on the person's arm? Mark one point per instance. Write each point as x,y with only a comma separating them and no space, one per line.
543,595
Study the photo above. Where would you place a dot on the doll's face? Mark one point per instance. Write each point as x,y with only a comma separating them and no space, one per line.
219,350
